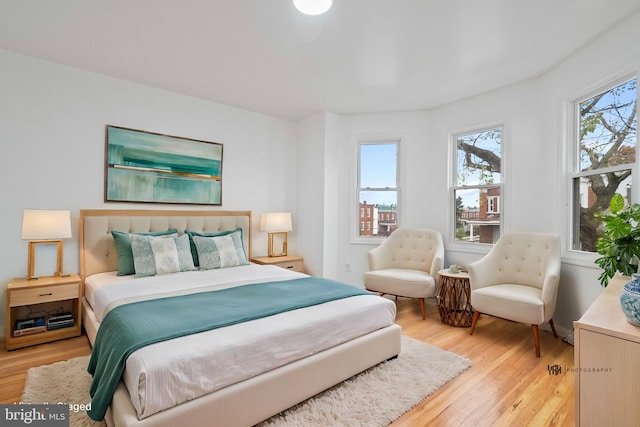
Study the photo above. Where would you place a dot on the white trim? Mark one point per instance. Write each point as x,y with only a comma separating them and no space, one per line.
571,165
362,139
472,248
581,259
452,244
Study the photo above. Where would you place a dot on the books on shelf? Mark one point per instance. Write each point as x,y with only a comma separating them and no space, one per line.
29,326
60,320
40,324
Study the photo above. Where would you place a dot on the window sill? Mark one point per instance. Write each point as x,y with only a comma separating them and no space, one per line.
473,248
373,241
581,259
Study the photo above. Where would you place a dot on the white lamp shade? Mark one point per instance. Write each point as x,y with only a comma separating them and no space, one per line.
276,222
40,224
312,7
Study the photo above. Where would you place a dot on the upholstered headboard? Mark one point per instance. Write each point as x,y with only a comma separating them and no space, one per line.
97,247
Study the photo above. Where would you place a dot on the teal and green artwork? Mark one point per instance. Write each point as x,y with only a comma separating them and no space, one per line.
150,167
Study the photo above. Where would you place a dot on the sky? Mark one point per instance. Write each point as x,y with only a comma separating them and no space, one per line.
378,167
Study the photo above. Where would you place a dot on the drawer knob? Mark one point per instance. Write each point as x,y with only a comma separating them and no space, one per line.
46,295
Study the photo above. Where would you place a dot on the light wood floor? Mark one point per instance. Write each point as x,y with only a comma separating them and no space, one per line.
14,364
506,386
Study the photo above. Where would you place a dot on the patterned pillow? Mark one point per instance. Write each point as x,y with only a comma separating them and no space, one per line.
220,251
123,247
194,250
161,254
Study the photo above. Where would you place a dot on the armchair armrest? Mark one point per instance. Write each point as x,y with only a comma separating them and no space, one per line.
437,263
379,258
482,273
550,284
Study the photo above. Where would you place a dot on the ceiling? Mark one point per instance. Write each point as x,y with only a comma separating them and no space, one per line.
264,56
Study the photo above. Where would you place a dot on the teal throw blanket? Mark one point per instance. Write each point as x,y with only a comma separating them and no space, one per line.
129,327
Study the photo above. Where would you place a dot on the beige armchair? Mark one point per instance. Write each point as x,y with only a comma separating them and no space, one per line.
518,280
406,264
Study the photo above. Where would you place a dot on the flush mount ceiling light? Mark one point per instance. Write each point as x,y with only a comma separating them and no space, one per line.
312,7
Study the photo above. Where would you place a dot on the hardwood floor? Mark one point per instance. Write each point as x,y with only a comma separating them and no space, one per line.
14,364
506,386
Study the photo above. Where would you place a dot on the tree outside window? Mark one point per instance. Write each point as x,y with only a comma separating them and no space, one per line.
478,186
605,158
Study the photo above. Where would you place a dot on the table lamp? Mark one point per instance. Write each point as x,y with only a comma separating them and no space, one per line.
45,226
276,223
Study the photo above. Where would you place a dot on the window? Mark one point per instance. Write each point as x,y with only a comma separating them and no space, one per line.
604,158
493,204
378,186
477,186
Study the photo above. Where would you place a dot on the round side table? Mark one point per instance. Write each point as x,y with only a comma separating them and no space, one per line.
454,299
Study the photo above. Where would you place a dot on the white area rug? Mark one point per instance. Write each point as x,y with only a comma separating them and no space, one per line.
375,397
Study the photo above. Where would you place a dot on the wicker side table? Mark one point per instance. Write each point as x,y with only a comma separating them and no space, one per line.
454,299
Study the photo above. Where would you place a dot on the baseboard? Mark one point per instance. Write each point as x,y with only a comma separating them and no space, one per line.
562,332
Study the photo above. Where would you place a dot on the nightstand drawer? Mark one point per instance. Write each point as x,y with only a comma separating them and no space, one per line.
41,294
290,262
292,265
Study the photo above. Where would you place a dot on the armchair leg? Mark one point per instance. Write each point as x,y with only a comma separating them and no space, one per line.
553,328
536,339
476,316
422,308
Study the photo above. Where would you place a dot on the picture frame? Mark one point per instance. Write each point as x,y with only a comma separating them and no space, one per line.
148,167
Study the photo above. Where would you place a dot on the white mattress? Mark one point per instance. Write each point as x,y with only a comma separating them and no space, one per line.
166,374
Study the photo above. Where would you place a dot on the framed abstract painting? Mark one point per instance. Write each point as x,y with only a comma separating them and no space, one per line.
151,167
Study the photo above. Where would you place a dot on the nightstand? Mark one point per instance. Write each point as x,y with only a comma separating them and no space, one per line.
290,262
30,299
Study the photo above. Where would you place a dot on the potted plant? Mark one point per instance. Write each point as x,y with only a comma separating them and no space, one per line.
620,250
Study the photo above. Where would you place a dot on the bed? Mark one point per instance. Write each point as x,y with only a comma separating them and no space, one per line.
260,367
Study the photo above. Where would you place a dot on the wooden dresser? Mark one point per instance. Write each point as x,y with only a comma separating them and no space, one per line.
607,363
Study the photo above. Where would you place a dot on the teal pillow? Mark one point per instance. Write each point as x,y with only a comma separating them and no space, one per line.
194,250
123,247
220,251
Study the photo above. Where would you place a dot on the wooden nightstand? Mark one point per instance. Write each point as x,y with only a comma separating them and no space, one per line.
39,298
289,262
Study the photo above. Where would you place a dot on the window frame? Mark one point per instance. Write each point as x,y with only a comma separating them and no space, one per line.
356,238
577,256
453,184
492,201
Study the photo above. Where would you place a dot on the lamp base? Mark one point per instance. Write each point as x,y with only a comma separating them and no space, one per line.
270,252
32,256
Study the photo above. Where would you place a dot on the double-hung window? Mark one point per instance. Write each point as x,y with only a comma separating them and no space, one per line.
377,193
477,185
604,157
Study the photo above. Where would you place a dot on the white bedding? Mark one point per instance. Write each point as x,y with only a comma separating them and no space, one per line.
103,289
166,374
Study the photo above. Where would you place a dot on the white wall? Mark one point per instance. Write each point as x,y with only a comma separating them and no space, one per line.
52,133
52,121
614,55
535,197
310,189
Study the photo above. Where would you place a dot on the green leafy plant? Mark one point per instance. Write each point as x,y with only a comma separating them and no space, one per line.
620,244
